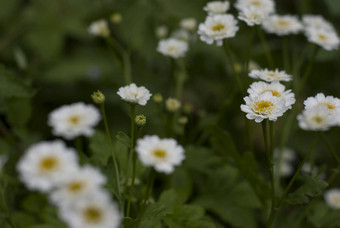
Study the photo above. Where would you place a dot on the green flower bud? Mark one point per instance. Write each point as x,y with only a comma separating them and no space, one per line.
158,98
98,97
140,120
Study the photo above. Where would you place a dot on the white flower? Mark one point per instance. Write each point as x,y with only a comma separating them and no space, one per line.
316,119
270,75
282,25
217,7
285,169
265,6
327,39
172,47
162,154
188,23
332,198
95,211
47,165
161,31
252,16
78,185
71,121
172,104
181,34
133,94
330,102
316,22
99,28
217,27
276,88
264,106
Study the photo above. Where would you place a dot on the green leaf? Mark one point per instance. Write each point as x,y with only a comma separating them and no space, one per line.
99,148
124,139
320,215
19,111
311,187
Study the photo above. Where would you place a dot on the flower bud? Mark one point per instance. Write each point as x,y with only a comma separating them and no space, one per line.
183,120
98,97
158,98
116,18
172,104
140,120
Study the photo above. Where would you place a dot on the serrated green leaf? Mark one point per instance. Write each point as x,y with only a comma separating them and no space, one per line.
124,139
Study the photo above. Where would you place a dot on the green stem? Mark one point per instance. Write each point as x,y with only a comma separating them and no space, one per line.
330,147
114,158
271,172
132,155
232,65
265,47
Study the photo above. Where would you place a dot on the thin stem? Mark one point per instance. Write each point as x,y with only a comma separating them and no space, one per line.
132,155
330,147
114,158
265,47
271,172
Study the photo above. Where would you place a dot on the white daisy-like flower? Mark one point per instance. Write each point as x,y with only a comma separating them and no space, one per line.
252,16
99,28
94,211
327,39
172,104
188,24
78,185
276,88
71,121
332,198
47,165
181,34
264,106
265,6
218,27
316,22
133,94
161,31
217,7
316,119
162,154
330,102
270,75
173,47
282,25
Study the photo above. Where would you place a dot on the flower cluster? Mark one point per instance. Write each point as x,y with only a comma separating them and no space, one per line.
52,168
321,112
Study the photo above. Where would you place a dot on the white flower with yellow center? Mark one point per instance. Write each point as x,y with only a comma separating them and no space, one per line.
277,90
332,198
99,28
94,211
188,24
252,16
162,154
218,27
217,7
133,94
282,25
316,119
265,6
78,185
270,75
264,106
316,22
47,165
173,47
330,102
327,39
71,121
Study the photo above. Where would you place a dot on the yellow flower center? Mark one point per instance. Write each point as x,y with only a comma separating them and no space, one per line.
74,119
48,163
160,153
329,105
218,27
263,107
273,74
255,3
93,215
274,92
283,23
76,186
318,119
322,37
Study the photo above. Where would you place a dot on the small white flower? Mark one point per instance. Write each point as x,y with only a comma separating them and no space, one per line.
276,88
217,27
327,39
162,154
265,6
181,34
161,31
252,16
71,121
332,198
99,28
188,24
282,25
172,47
217,7
316,119
270,75
133,94
172,104
317,22
78,185
47,165
330,102
95,211
285,169
264,106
